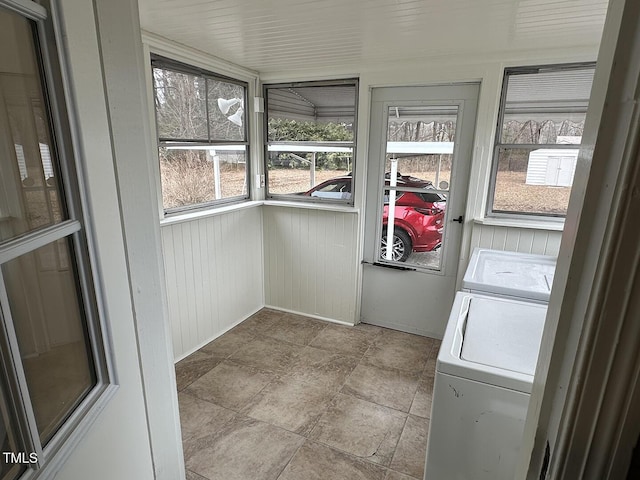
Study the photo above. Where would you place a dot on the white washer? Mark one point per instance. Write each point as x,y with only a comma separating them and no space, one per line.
484,375
510,274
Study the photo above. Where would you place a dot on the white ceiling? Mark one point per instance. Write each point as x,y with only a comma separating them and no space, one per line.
284,35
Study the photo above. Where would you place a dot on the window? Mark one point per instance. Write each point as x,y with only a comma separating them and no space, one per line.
310,140
541,120
202,136
52,354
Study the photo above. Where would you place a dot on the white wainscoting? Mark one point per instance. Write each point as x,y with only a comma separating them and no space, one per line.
516,239
311,261
214,272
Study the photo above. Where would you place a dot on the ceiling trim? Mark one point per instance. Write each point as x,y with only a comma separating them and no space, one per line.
176,51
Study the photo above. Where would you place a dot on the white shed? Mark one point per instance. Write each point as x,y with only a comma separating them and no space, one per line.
552,167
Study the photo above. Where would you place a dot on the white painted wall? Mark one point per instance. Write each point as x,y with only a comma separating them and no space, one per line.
214,274
516,239
300,244
488,71
311,261
213,259
117,445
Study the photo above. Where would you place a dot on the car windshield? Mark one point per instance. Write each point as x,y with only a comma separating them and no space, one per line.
432,197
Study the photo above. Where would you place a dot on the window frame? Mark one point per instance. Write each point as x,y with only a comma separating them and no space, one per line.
76,231
161,60
498,145
302,199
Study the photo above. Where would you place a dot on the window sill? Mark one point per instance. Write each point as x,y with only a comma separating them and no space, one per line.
209,212
312,206
521,223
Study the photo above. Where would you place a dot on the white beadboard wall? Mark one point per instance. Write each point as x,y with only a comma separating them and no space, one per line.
214,275
516,239
311,261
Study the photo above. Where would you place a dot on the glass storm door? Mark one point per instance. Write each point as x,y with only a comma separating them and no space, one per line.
418,174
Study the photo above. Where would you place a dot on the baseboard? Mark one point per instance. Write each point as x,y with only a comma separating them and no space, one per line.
195,349
304,314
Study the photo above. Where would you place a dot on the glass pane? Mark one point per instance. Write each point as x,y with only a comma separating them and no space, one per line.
11,463
421,171
189,177
320,174
29,188
416,235
226,111
419,154
421,140
314,129
546,107
543,128
51,328
534,181
181,105
314,113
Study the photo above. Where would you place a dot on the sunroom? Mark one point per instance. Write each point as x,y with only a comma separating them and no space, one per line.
329,164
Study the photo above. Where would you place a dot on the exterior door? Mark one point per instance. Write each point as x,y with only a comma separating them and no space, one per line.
417,179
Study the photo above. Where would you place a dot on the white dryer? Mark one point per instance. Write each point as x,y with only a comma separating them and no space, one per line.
484,375
510,274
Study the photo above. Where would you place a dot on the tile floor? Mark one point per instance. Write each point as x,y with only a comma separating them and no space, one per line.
293,398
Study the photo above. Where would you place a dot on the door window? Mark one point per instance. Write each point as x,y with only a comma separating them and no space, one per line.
418,162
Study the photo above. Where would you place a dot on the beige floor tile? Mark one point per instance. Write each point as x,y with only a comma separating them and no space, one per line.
319,462
228,344
360,428
388,335
259,323
343,339
421,405
369,329
389,387
391,475
193,367
230,385
293,405
285,370
241,450
295,329
194,476
269,313
322,368
268,354
199,418
411,451
430,368
408,356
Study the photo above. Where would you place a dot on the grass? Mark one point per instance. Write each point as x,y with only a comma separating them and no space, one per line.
513,195
192,182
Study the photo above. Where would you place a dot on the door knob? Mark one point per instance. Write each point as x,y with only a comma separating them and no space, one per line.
459,219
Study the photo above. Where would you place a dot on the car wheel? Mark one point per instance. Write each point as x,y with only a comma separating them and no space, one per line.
401,248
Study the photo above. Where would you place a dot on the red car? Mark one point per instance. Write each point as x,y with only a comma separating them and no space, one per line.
419,216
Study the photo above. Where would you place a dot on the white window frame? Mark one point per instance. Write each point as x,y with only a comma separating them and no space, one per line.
55,83
276,144
170,63
534,217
